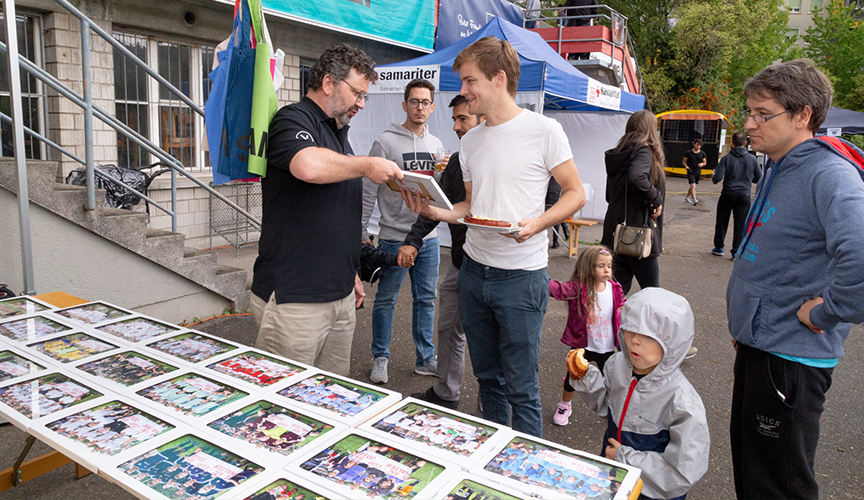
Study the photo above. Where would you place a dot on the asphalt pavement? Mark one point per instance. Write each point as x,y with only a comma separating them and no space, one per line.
686,267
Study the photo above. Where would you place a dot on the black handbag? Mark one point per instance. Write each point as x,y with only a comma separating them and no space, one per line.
633,241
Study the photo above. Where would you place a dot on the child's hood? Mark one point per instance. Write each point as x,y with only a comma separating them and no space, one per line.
665,317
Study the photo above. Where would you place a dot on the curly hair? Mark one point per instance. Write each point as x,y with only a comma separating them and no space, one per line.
337,62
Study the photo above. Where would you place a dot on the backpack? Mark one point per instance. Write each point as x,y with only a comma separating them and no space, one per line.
842,148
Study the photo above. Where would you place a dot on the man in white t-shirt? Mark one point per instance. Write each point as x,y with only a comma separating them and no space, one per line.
503,286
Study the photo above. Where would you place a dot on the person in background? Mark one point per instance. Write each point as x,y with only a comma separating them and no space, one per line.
797,283
738,170
412,147
451,336
593,315
305,289
553,193
694,161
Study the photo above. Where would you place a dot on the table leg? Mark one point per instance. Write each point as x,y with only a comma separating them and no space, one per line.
24,471
574,241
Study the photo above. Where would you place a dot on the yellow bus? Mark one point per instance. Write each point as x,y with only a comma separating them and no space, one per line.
679,128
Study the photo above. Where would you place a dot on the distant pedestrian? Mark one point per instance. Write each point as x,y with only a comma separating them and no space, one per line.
694,160
738,170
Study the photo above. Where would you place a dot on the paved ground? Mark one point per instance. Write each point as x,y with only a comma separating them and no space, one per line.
687,267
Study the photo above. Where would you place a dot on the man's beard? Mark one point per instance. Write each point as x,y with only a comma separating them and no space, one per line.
340,110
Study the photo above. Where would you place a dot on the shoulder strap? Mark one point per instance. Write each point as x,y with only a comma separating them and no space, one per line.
843,149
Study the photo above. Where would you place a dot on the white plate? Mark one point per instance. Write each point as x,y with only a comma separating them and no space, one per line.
494,229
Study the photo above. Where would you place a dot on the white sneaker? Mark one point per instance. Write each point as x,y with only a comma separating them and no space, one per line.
688,200
695,200
379,370
691,352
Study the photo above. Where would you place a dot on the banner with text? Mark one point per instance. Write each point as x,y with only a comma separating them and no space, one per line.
393,80
407,24
602,95
458,19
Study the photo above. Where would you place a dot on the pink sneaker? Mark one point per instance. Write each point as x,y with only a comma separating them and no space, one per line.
562,413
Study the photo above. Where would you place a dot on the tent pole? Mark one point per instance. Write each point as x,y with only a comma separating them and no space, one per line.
18,145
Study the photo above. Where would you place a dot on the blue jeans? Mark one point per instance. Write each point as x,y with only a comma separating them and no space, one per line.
424,279
502,315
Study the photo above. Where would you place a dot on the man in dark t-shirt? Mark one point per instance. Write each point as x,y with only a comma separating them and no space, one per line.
694,160
451,336
305,286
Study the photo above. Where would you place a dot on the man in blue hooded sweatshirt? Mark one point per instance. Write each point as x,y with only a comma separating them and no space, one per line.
797,284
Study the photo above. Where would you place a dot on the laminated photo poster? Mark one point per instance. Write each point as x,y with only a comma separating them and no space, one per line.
187,467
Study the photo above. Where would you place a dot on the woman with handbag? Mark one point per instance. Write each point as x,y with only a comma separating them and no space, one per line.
635,190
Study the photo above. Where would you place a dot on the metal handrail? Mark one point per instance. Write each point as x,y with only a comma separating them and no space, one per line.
91,110
130,134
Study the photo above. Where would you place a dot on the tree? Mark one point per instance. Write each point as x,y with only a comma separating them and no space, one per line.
835,45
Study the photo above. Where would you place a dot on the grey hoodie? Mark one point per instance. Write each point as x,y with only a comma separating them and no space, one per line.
664,431
411,153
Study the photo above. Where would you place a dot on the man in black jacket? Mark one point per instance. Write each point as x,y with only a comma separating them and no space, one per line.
451,337
737,170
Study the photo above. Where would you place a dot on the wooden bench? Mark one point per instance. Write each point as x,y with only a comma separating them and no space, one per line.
575,224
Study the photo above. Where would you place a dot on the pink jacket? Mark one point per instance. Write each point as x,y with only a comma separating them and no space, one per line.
576,332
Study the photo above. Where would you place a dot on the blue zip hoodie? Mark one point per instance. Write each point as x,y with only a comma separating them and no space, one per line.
804,238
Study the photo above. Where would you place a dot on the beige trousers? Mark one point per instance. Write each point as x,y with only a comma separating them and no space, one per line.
318,334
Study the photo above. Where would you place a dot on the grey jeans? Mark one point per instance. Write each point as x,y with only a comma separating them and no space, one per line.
451,339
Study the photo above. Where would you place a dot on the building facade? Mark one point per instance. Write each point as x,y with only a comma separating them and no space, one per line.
177,39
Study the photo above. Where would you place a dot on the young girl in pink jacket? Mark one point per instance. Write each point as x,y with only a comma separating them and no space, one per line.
593,318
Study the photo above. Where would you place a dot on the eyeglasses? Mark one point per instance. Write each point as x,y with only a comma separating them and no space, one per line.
761,117
358,95
424,104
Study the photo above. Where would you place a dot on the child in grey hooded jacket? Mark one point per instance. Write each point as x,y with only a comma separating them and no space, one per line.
656,419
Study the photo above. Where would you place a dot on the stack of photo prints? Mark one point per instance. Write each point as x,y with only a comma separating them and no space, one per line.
167,412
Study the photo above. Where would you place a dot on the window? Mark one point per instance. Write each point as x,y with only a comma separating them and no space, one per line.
32,101
815,5
151,108
791,34
795,5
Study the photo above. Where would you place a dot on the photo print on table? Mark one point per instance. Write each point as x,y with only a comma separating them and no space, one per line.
437,428
110,428
45,395
190,467
72,347
19,306
336,395
191,347
13,365
271,427
373,469
137,329
92,313
471,490
191,394
256,368
31,328
127,368
283,489
556,470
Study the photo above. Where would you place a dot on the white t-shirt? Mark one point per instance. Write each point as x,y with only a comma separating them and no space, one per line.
600,335
509,167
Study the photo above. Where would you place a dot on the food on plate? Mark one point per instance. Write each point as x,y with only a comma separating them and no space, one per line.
577,365
486,221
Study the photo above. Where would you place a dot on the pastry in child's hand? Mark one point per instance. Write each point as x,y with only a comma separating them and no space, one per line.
577,366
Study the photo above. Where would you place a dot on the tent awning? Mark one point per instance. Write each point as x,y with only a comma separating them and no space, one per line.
542,69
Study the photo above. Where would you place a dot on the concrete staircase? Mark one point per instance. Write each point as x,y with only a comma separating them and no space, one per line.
129,230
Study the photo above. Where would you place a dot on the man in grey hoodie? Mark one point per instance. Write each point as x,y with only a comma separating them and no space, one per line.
797,284
412,147
738,170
